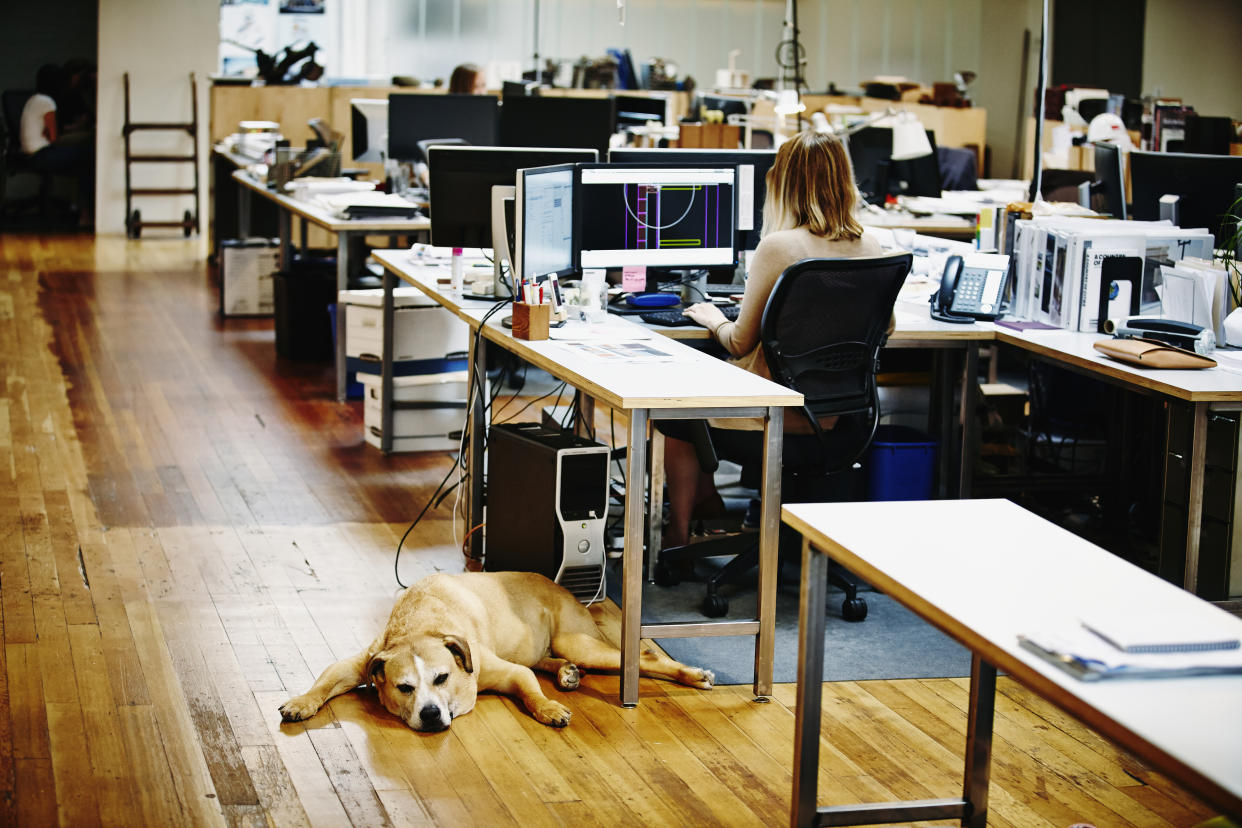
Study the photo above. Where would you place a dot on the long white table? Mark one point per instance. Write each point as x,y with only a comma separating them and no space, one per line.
692,385
346,230
984,572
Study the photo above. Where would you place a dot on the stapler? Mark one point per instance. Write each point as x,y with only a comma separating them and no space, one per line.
1169,331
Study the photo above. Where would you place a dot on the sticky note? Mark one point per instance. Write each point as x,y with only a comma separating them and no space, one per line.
634,278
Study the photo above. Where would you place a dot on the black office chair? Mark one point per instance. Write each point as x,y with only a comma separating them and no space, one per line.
822,330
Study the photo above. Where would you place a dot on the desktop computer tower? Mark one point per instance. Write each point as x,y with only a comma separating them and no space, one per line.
547,501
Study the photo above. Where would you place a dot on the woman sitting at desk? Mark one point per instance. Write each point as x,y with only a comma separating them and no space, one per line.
808,213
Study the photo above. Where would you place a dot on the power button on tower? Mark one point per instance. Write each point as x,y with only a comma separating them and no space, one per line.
584,546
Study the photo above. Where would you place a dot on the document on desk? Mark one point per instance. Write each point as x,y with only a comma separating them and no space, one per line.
617,352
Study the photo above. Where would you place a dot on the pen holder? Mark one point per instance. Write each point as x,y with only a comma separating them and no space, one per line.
531,321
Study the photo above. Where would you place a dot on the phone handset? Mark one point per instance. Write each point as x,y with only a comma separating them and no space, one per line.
942,299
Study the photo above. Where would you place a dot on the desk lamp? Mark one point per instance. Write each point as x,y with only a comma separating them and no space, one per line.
909,135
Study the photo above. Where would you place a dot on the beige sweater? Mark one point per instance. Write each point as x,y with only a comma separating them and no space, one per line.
776,252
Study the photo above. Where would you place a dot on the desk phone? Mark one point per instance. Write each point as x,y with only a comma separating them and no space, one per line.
971,288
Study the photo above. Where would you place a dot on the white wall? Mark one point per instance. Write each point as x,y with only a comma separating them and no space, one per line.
159,42
1192,49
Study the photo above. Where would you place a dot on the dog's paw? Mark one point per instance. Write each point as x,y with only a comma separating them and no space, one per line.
298,709
568,677
552,713
696,677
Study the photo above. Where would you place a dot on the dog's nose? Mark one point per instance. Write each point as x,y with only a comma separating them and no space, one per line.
430,714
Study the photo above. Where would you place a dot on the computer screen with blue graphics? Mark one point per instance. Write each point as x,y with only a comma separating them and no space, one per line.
657,216
546,221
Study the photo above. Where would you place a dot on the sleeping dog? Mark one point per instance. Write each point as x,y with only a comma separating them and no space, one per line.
451,636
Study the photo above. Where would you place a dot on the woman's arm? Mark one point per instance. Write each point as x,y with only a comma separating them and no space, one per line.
740,338
49,126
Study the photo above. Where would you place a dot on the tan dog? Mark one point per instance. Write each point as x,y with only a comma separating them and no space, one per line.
451,636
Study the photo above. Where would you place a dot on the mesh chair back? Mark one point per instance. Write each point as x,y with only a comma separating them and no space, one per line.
822,331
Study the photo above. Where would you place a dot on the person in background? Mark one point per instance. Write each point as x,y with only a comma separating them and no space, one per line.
42,140
808,213
467,79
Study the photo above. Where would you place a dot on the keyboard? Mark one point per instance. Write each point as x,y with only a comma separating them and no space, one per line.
675,319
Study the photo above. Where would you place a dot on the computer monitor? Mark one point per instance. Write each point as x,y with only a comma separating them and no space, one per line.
752,168
916,176
674,216
725,104
544,217
637,110
558,122
1108,189
871,153
414,117
461,181
1204,185
368,125
518,89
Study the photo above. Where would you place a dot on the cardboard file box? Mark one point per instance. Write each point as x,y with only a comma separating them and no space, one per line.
246,268
429,411
427,339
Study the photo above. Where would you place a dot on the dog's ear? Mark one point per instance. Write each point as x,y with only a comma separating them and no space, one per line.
460,650
376,669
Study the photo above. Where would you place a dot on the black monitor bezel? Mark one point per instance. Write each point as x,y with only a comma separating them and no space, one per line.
579,210
1150,170
449,235
480,128
584,123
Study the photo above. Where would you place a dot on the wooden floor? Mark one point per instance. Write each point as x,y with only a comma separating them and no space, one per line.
191,529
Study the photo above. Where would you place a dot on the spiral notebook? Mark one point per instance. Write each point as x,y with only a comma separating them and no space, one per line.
1165,632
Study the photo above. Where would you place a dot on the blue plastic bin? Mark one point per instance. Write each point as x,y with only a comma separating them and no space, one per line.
902,463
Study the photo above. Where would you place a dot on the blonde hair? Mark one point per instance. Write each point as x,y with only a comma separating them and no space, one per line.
811,185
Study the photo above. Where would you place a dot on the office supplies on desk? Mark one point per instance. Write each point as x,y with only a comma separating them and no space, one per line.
971,288
1086,656
1183,335
1147,353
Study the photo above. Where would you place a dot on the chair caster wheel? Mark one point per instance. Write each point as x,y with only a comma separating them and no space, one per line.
135,225
187,220
854,609
714,606
665,575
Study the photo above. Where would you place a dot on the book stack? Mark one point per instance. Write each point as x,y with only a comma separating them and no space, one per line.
1151,644
1060,264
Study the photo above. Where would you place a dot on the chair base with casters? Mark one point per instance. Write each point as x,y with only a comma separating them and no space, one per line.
822,329
744,547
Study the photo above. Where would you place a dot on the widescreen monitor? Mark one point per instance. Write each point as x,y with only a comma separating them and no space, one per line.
461,181
544,216
1204,185
1108,190
414,117
368,124
752,168
675,216
540,121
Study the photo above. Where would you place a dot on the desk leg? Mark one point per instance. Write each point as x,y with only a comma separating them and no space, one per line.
769,547
970,399
632,562
243,211
655,501
810,687
979,742
342,282
284,224
941,419
386,349
478,429
1194,505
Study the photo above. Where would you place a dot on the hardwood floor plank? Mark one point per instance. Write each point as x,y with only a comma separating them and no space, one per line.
157,800
36,792
76,803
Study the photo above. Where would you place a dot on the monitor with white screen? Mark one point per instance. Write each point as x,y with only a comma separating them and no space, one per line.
674,216
544,214
368,119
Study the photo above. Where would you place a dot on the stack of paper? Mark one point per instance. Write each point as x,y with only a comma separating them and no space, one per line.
1195,290
1150,644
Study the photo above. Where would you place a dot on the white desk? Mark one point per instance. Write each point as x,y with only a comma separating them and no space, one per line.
345,230
983,572
693,386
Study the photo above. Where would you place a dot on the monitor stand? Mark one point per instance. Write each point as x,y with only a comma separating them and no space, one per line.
502,249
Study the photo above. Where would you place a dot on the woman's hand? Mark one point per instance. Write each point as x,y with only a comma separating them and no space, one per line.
706,314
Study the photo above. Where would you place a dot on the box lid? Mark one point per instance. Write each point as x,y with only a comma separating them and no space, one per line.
373,380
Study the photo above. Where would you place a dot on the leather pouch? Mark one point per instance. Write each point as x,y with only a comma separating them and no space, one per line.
1148,353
